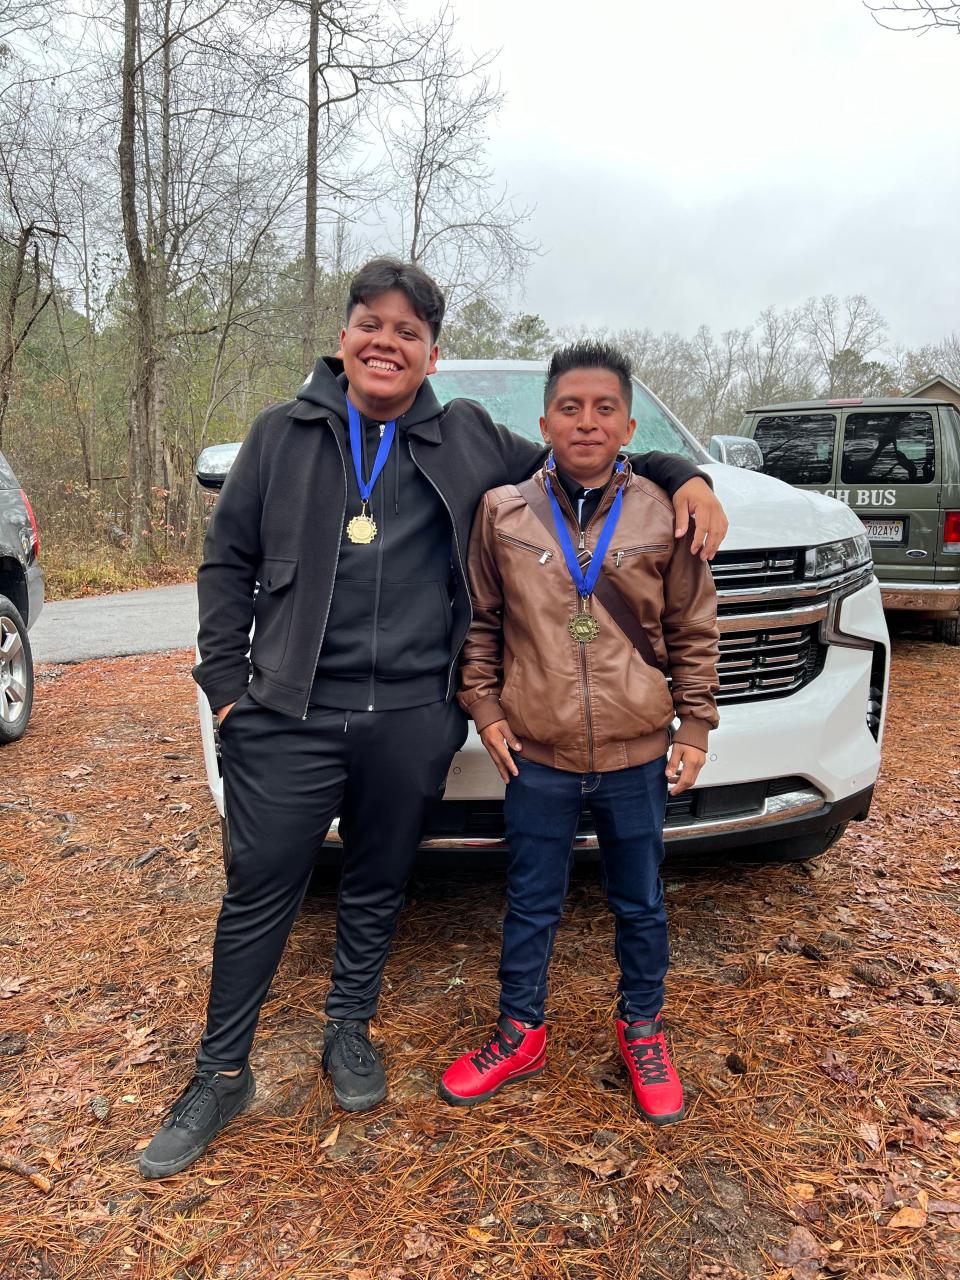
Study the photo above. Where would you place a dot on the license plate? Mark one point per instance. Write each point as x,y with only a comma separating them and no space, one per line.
883,530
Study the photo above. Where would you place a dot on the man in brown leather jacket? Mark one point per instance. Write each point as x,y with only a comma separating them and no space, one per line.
583,604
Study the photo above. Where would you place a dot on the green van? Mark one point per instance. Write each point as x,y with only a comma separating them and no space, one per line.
896,462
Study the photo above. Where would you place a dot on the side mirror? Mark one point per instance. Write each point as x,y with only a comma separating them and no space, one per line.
214,463
737,451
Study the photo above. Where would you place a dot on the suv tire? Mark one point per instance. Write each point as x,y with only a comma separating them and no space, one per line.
800,848
947,630
16,673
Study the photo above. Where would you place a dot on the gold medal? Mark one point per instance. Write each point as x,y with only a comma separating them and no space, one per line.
362,528
583,627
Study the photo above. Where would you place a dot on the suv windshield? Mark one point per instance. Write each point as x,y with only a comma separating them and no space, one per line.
514,397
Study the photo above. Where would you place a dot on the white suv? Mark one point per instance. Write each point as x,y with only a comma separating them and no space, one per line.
804,655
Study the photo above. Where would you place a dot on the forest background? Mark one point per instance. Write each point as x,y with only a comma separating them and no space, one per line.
185,191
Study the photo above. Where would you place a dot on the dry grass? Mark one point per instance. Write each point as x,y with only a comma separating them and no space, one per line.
74,570
814,1014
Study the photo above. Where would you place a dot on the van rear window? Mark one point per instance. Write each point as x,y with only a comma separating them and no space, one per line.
798,447
891,447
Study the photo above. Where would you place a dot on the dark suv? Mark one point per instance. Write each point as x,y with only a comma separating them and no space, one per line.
21,599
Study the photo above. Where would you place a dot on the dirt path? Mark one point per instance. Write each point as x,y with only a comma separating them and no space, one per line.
814,1014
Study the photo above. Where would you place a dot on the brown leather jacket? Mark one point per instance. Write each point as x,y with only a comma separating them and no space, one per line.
588,707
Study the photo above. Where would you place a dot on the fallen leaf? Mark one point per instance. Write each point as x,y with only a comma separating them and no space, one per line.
802,1190
556,1235
660,1178
943,1206
482,1237
331,1139
870,1133
802,1254
11,987
834,1065
908,1217
419,1243
838,990
602,1164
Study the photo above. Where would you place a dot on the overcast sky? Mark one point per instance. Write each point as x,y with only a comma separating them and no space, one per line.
696,160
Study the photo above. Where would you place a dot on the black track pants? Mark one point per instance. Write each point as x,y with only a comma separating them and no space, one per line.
284,782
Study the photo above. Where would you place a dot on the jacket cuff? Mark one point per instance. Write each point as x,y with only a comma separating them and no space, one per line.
224,689
693,732
486,710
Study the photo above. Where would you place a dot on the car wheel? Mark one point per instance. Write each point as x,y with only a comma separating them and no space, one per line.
16,673
947,630
800,848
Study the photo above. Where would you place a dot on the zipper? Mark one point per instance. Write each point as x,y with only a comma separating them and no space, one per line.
527,546
376,597
632,551
333,579
464,584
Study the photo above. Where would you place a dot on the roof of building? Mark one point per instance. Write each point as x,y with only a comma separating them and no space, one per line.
937,377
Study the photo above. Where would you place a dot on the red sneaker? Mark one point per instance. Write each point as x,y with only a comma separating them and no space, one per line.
656,1085
512,1053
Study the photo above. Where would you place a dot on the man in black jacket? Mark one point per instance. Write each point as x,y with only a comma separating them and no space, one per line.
351,507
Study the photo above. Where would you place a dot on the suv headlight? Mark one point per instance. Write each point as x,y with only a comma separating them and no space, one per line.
832,558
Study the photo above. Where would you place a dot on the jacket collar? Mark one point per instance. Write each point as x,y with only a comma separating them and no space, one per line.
322,394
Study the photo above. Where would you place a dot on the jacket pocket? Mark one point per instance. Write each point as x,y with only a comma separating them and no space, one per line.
543,553
621,555
273,612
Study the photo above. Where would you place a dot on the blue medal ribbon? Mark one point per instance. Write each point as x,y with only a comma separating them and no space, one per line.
356,452
585,581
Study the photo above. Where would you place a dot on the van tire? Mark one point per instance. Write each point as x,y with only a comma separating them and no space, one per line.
947,630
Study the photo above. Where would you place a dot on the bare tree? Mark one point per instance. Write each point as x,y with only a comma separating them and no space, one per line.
918,16
454,220
31,165
834,325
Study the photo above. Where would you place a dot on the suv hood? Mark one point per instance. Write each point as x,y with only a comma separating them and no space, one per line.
764,512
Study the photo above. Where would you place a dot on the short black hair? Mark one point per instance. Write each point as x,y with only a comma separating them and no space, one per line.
380,275
588,354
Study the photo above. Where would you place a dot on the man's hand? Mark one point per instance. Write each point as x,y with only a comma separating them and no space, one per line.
224,712
683,767
696,499
500,740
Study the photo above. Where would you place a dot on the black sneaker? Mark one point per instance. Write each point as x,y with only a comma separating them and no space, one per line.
209,1101
353,1065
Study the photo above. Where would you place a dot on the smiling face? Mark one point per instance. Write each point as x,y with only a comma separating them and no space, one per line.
387,351
586,424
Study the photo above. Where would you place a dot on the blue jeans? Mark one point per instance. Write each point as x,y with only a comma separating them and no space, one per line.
541,809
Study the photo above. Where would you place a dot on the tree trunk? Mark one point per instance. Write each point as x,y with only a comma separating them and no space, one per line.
309,302
142,398
8,348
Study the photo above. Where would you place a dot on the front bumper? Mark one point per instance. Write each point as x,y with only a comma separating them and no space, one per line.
931,597
801,811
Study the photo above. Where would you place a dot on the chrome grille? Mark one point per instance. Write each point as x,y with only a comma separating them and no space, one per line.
767,663
767,567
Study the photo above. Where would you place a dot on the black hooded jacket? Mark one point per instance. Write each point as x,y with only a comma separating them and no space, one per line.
342,625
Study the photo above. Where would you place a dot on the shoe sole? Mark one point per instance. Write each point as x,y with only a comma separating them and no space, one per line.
363,1103
668,1117
456,1100
167,1168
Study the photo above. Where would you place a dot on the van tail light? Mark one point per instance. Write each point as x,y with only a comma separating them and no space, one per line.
951,530
36,531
